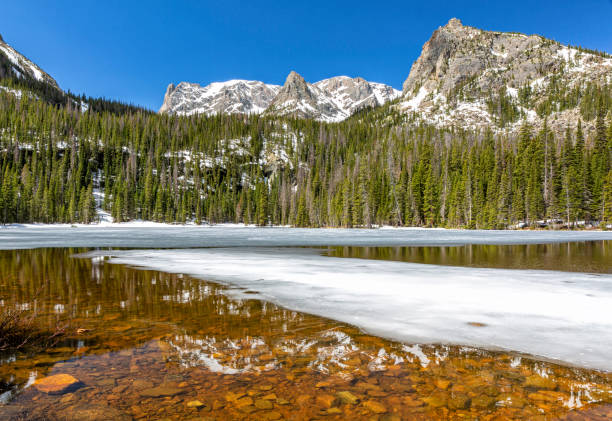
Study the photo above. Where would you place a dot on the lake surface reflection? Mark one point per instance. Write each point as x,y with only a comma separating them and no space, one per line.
579,256
154,345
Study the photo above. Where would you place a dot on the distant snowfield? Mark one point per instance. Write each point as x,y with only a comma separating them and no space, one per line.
554,315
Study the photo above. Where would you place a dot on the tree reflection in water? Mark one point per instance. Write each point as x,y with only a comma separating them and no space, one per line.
157,345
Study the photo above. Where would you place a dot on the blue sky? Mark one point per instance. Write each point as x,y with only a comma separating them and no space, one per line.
131,50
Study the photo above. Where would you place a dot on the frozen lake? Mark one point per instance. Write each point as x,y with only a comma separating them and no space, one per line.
550,314
230,236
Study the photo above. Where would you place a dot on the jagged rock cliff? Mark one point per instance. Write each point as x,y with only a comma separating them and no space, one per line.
474,78
234,96
352,94
301,99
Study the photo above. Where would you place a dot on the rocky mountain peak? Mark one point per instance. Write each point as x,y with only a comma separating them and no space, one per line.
295,84
295,87
167,99
332,99
437,51
472,78
301,99
454,23
354,93
294,78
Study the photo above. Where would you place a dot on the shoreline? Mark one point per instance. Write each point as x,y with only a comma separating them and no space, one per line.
153,224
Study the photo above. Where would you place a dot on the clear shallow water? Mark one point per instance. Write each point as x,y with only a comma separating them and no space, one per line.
155,343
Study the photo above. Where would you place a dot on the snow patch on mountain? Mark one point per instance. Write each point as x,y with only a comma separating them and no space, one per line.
351,94
22,66
414,102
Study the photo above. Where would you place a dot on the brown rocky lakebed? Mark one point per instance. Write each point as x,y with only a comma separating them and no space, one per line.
154,345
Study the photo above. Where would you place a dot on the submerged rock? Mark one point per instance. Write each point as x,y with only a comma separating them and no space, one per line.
442,383
57,384
242,402
272,415
326,400
458,401
333,411
375,407
263,404
538,382
436,400
347,397
142,384
161,391
92,413
483,402
234,396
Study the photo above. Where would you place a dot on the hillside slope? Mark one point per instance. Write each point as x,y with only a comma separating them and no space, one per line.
12,64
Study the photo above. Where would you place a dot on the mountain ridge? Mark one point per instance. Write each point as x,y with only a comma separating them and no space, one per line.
330,100
232,96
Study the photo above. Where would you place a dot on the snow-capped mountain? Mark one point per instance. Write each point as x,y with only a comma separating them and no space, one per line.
469,77
352,94
234,96
331,99
12,63
301,99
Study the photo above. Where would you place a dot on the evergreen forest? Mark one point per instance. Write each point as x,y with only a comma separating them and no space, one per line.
60,162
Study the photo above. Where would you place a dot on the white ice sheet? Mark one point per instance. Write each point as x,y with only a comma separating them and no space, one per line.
556,315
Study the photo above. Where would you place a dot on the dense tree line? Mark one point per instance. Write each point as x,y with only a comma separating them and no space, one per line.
374,168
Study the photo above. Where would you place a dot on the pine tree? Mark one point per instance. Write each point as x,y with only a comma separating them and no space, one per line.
607,200
262,206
